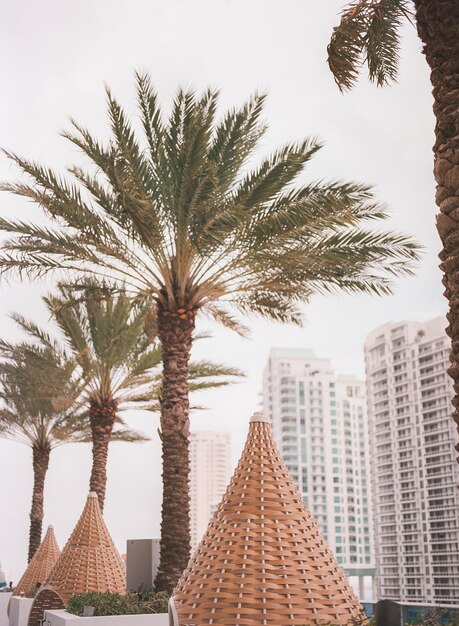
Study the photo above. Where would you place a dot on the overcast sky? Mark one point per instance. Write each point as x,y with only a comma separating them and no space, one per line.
56,57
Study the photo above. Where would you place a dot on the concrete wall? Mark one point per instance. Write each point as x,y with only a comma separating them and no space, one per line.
4,600
62,618
20,610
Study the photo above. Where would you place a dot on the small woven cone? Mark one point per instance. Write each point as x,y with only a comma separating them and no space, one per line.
263,560
41,564
89,560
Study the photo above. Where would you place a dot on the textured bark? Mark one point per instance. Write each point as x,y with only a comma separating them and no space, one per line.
102,420
175,331
40,467
438,28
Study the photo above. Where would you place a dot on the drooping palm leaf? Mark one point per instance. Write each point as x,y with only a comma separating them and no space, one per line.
368,33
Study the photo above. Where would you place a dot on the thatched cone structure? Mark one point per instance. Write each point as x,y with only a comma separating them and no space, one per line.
263,560
41,564
89,560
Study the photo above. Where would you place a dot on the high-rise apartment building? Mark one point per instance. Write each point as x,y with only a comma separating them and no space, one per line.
415,476
210,473
320,425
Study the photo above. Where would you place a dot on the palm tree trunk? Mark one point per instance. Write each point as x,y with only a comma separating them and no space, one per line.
438,28
40,455
175,330
102,419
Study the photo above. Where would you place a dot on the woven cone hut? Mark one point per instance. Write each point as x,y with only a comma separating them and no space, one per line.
89,560
263,560
41,564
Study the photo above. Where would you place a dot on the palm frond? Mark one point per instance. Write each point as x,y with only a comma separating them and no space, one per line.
128,436
368,33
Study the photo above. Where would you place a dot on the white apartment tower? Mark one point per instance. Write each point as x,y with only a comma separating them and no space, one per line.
320,425
210,462
415,476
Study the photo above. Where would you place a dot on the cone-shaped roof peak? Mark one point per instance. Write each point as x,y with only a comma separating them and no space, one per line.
89,560
259,417
263,560
40,565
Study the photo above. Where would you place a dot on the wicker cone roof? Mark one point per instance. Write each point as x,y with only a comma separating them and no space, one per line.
40,565
263,559
89,560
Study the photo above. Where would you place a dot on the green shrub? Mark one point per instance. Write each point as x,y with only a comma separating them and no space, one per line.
118,604
157,601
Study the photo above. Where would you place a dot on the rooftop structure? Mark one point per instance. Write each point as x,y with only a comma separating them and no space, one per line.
89,560
263,560
41,564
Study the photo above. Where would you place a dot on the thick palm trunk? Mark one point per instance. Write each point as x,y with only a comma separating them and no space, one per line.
438,27
175,331
40,467
102,420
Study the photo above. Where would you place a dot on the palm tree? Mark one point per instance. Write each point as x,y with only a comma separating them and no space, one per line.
113,340
38,395
117,361
369,32
176,215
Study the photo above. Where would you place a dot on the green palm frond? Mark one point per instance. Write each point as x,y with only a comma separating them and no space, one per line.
174,218
127,435
103,329
207,375
368,33
40,397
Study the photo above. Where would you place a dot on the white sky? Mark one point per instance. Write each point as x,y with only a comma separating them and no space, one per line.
56,56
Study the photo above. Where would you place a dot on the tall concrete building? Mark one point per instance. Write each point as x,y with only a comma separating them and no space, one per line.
210,460
320,425
415,476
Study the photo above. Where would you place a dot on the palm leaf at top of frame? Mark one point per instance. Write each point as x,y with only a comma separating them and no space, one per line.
263,559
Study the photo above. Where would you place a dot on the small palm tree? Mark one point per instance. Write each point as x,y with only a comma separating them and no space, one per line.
117,362
38,395
369,32
176,215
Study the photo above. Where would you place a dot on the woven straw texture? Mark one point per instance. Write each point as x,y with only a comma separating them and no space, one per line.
89,561
46,600
263,560
41,564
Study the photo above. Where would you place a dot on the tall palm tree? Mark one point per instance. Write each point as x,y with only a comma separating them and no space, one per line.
38,394
369,32
176,214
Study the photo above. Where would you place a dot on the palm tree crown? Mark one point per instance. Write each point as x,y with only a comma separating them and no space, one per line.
104,333
179,218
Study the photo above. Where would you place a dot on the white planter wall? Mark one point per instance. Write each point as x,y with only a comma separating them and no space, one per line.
4,600
62,618
20,610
